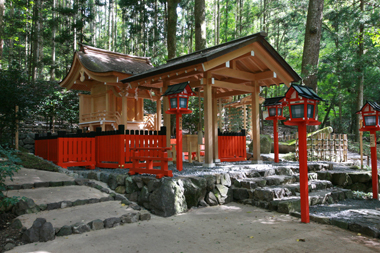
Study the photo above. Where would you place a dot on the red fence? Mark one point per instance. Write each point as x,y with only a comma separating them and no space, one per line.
66,151
111,149
232,146
114,151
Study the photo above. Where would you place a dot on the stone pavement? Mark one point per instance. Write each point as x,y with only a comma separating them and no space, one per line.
226,228
81,206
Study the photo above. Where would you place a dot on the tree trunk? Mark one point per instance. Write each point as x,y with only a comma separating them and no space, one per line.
218,24
172,28
52,67
311,47
200,24
360,71
2,11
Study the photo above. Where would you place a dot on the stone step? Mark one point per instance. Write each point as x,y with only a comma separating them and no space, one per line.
79,219
268,193
41,199
292,203
31,178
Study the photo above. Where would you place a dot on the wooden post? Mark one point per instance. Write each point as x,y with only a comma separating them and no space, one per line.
81,107
245,117
107,102
256,122
304,189
16,135
124,111
158,116
209,147
220,114
215,125
166,116
375,177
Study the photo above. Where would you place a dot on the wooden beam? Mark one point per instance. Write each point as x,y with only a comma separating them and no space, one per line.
256,122
124,111
243,75
272,64
227,57
209,148
231,93
232,86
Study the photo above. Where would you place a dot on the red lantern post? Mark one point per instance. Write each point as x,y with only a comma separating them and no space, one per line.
370,114
302,102
275,113
178,96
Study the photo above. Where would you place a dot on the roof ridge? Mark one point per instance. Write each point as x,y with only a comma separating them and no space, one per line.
85,47
263,34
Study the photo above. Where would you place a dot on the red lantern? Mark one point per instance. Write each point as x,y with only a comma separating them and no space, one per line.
302,102
275,111
370,114
178,95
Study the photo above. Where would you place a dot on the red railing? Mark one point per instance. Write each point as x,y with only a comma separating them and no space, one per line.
232,146
67,151
114,151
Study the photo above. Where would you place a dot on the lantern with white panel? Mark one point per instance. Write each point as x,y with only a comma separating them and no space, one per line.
178,95
302,102
370,114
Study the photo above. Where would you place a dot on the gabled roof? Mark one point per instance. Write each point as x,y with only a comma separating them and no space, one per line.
178,88
102,66
304,91
373,104
208,54
101,61
272,101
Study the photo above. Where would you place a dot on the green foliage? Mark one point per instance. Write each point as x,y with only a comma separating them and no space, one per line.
8,168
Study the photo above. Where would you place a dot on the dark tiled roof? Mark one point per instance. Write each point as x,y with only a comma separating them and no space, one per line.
373,104
208,54
272,101
101,61
306,92
176,88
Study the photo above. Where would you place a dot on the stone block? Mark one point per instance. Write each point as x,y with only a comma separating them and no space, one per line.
130,218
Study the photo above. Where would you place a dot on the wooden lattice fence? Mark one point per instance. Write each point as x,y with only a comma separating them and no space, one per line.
325,147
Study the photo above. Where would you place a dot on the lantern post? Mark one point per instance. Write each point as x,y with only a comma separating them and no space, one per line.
178,95
370,113
275,113
302,102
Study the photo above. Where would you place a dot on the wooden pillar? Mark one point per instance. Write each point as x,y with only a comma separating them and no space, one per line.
220,114
166,116
124,111
158,114
256,121
81,107
245,117
209,147
107,101
215,125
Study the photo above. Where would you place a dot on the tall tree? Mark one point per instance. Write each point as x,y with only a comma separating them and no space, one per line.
360,70
2,9
200,24
172,28
311,48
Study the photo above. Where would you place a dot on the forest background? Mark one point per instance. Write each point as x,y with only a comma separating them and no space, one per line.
333,44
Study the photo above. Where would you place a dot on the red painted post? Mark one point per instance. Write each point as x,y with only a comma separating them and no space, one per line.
375,177
275,137
179,141
304,188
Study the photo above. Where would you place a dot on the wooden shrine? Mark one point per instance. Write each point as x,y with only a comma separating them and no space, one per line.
241,66
110,102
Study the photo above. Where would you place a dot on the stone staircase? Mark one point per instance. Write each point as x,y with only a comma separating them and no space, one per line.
277,188
55,204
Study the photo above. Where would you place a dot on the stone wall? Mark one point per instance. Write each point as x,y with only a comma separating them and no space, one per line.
26,141
169,196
